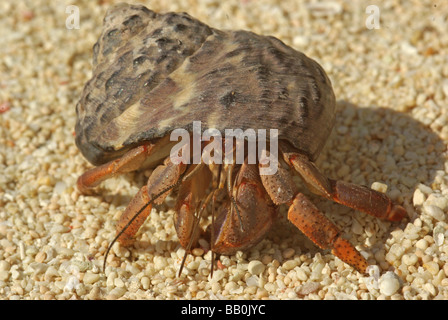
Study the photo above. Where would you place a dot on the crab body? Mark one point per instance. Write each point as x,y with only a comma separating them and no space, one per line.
154,73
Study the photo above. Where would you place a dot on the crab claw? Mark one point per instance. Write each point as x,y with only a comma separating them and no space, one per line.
238,228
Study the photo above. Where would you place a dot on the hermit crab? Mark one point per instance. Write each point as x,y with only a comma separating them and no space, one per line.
158,73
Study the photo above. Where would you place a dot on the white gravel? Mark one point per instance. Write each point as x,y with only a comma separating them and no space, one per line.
391,133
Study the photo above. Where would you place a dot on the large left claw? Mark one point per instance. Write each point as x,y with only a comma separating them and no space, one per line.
238,228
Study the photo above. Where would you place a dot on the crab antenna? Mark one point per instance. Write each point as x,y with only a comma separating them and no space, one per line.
212,229
212,235
135,217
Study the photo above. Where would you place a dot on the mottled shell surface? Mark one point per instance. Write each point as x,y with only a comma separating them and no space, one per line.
154,73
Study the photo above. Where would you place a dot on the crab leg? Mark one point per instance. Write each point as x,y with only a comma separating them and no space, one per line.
308,219
189,198
161,179
159,185
158,188
354,196
130,161
140,200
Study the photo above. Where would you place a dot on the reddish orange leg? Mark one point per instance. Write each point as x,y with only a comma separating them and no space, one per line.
140,200
158,188
162,178
190,196
190,206
354,196
366,200
130,161
308,219
160,184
